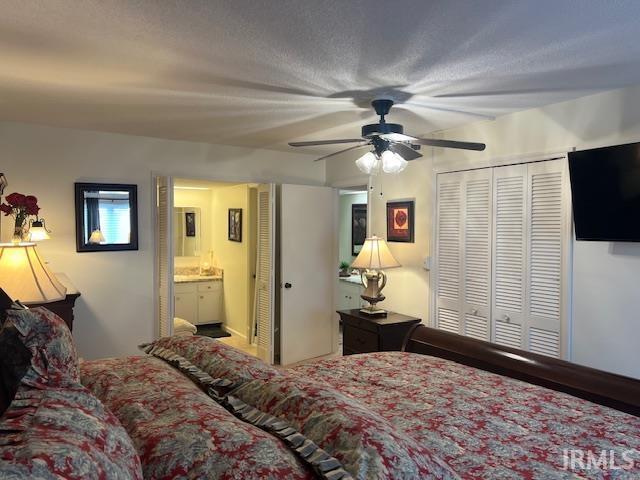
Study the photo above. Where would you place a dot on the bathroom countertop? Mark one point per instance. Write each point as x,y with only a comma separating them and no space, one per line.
351,279
196,278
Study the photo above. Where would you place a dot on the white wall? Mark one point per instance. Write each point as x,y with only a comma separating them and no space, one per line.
115,312
606,275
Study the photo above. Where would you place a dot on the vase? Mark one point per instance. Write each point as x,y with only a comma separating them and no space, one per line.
19,234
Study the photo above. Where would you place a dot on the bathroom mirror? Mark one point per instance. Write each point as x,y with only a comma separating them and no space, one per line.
106,217
186,231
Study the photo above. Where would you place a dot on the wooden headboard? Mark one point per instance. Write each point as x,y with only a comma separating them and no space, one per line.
615,391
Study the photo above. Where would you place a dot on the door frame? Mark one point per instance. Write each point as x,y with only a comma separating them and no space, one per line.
154,215
359,181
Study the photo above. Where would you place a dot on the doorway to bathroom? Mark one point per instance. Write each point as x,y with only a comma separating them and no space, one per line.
215,236
353,216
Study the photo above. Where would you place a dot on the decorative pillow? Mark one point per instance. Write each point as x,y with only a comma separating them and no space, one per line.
54,359
216,358
367,445
64,433
15,361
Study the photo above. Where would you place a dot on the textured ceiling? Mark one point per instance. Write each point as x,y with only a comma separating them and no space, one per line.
263,72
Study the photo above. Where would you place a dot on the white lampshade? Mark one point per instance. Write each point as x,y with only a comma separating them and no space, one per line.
25,277
96,237
375,255
38,234
37,231
369,163
392,162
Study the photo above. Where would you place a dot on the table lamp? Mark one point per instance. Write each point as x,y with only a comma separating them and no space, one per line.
372,259
24,276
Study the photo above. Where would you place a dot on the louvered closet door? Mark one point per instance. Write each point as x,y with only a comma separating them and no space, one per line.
547,250
509,255
164,256
476,253
448,252
265,273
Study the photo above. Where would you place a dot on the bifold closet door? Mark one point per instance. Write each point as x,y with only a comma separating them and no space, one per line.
164,256
464,253
548,253
509,255
531,249
265,273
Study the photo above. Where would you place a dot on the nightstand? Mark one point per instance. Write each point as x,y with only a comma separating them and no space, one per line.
63,308
364,333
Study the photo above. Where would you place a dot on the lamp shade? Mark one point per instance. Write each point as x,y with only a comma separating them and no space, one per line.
37,232
96,237
375,255
24,276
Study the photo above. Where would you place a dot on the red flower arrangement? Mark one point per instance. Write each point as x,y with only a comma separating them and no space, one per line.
20,207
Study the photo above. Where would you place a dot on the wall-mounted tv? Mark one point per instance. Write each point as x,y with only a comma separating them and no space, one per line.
605,185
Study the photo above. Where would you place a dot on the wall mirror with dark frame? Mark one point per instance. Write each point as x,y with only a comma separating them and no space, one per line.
106,217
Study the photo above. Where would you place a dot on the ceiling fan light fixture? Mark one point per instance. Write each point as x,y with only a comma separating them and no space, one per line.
392,162
369,163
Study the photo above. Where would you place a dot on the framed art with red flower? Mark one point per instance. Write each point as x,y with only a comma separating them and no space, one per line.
400,221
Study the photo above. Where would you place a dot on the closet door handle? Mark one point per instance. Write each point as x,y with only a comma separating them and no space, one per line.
287,285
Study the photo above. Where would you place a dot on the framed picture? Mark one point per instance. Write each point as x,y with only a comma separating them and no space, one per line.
358,227
235,224
400,221
190,224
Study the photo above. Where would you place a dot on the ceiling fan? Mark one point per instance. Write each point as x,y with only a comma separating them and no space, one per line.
388,146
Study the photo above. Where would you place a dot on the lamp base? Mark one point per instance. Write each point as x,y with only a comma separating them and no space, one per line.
374,311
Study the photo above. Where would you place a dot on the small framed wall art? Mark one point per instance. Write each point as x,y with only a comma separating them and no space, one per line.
358,227
400,221
235,224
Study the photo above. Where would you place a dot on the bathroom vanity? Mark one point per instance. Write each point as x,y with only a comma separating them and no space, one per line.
198,299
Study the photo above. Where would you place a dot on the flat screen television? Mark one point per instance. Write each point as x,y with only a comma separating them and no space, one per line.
605,186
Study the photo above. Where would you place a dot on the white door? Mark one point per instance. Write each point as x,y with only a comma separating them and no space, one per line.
448,247
548,253
164,256
307,271
509,255
476,253
265,282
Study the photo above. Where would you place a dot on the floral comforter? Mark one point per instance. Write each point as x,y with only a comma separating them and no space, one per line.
487,426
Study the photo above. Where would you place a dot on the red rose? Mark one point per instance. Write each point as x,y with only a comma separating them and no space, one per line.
30,200
16,199
32,209
6,209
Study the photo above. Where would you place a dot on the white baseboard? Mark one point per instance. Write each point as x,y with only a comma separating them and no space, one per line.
234,332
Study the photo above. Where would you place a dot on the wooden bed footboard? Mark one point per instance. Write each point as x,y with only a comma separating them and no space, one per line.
604,388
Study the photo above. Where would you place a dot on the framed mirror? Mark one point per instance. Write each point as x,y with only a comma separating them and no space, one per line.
186,231
106,217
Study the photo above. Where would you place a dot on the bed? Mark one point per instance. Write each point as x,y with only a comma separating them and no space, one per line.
445,408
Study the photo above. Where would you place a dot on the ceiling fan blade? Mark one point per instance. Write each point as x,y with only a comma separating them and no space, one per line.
341,151
404,150
450,144
397,137
324,142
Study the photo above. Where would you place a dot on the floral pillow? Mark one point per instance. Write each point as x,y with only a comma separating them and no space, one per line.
216,358
367,445
64,433
54,359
